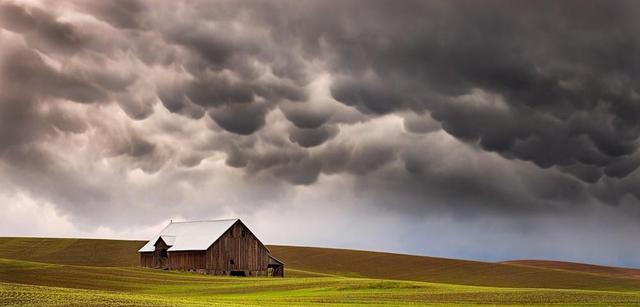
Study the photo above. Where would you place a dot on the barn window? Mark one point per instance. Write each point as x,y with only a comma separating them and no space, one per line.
238,273
242,233
231,261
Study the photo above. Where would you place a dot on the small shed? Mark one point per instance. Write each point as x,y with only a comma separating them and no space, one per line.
218,247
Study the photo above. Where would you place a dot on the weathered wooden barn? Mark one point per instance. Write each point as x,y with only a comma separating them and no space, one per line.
218,247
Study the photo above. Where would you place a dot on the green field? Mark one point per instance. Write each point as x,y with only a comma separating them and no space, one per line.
78,272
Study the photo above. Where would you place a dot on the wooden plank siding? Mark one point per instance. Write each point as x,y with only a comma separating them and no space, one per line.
158,260
146,259
234,251
187,260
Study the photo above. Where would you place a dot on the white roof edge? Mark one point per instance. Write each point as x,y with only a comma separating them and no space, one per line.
200,221
155,239
276,259
191,235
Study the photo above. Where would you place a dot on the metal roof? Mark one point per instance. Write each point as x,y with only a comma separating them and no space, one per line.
275,261
190,236
169,240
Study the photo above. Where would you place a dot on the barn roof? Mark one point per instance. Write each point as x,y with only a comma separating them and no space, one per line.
190,236
169,240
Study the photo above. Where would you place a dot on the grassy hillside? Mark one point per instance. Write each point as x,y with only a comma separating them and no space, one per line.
39,284
580,267
72,251
80,272
441,270
339,262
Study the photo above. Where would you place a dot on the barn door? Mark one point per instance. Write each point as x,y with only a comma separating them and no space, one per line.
164,259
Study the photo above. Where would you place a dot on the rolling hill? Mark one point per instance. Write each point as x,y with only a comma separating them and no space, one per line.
38,271
343,262
579,267
24,283
92,252
442,270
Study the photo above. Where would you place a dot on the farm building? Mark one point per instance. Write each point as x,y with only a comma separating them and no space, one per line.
218,247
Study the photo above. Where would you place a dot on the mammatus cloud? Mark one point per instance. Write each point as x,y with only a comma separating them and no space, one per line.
471,110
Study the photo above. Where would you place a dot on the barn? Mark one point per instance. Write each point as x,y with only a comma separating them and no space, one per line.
217,247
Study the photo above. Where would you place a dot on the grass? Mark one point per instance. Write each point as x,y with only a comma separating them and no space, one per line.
41,284
442,270
32,276
580,267
72,251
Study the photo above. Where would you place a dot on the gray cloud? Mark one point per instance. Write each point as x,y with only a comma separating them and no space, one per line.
312,137
40,29
125,14
310,115
560,98
241,118
474,110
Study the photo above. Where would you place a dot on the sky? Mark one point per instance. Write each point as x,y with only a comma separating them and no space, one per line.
488,130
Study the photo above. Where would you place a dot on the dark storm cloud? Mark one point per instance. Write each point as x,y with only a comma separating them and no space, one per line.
26,81
120,13
307,115
541,98
175,99
562,71
26,75
241,119
420,123
40,29
312,137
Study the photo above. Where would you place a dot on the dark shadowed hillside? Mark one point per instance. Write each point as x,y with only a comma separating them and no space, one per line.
341,262
580,267
92,252
441,270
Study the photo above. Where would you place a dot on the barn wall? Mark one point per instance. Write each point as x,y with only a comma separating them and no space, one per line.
247,253
158,260
188,260
146,259
278,271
